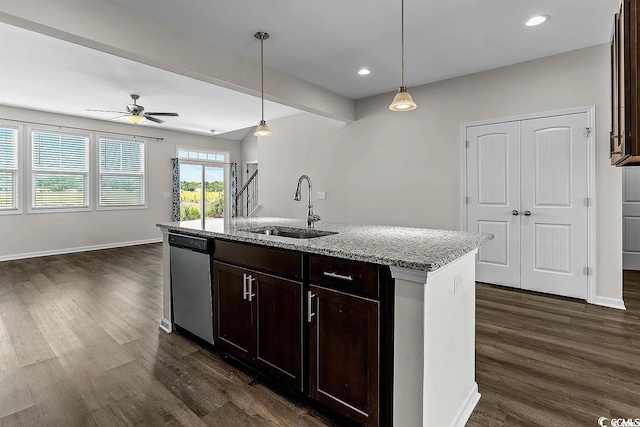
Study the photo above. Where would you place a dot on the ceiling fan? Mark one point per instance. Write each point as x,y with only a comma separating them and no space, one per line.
135,113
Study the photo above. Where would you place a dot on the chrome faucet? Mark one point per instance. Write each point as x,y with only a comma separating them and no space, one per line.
311,217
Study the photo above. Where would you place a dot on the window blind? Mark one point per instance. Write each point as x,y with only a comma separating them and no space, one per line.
122,173
8,168
60,170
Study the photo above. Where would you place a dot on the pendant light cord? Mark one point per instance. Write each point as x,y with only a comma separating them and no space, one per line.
402,44
262,73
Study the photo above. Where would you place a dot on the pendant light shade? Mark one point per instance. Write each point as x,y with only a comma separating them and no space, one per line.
262,129
403,100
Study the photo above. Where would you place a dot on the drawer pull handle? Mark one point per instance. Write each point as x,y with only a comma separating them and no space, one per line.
338,276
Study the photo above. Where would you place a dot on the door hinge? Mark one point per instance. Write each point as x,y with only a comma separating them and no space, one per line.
587,201
466,144
587,271
588,132
466,200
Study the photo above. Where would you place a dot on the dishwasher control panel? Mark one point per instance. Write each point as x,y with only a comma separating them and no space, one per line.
200,244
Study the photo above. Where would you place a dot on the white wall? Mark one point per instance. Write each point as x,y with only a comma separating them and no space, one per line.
29,233
404,168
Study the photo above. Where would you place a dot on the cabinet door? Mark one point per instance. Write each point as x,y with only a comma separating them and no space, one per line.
278,313
232,310
344,358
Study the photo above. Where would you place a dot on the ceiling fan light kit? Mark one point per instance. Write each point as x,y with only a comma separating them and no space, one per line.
262,129
136,120
135,113
403,100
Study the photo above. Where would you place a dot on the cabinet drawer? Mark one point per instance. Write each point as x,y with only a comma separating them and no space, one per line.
347,276
276,261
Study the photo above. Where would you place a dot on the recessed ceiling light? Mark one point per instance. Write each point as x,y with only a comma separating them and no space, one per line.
536,20
364,72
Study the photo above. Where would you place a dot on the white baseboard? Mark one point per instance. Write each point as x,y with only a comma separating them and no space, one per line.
466,409
78,249
617,303
165,325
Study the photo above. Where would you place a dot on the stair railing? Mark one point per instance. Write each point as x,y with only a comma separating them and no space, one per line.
247,197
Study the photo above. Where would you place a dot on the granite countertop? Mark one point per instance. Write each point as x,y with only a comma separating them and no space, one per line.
413,248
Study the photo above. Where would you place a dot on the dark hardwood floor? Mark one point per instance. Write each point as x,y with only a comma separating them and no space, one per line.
550,361
80,346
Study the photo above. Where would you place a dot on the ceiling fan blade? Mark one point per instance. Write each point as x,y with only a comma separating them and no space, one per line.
162,114
153,119
107,111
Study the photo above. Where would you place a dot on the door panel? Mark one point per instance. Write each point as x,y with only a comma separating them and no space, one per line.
232,312
554,189
278,305
344,359
631,218
493,190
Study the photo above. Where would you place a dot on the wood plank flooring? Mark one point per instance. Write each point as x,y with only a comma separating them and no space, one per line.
551,361
80,346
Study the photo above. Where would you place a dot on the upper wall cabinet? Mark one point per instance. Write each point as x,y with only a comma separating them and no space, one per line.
625,89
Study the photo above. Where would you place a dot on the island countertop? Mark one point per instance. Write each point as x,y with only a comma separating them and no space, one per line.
413,248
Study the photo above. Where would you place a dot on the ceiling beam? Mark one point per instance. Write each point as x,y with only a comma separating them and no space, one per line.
101,25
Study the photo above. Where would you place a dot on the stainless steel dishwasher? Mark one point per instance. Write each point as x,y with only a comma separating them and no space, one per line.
191,284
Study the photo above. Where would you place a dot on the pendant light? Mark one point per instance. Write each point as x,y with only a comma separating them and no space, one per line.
402,101
262,129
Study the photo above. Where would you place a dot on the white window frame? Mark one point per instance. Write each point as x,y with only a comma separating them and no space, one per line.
19,209
98,174
30,172
201,150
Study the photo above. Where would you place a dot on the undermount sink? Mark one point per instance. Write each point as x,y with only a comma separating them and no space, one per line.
294,233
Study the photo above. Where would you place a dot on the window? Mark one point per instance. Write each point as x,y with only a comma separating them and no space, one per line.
202,154
59,170
8,168
122,168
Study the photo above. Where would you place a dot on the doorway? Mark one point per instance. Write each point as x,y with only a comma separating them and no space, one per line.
202,191
530,182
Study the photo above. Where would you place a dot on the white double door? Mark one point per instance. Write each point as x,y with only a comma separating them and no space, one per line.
527,185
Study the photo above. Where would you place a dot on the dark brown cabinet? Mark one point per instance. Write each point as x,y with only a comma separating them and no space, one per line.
625,89
259,320
233,326
344,353
322,326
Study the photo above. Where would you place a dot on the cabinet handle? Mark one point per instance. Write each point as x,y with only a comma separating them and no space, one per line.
310,314
338,276
251,294
244,286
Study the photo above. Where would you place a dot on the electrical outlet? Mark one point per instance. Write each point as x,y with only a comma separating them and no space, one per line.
322,195
457,282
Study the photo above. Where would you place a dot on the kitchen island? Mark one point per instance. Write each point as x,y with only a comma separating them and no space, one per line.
414,290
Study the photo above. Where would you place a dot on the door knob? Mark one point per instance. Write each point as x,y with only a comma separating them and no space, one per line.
514,212
526,213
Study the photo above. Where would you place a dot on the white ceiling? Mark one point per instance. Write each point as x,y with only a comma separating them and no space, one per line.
47,74
324,42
